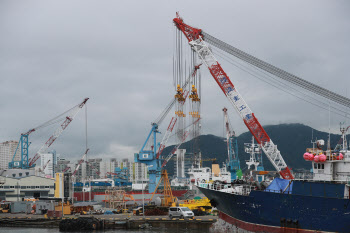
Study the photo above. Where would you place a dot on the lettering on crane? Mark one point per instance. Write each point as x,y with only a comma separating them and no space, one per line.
248,116
242,107
203,52
145,156
229,89
223,80
236,98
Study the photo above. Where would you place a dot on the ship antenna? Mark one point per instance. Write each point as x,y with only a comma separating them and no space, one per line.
329,129
312,140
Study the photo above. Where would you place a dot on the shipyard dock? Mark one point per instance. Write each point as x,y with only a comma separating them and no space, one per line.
120,221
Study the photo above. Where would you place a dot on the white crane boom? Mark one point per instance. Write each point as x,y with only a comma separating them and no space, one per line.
69,118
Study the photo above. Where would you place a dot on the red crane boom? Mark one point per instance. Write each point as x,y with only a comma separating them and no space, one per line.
196,41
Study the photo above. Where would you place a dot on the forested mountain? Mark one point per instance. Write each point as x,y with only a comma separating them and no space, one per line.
291,139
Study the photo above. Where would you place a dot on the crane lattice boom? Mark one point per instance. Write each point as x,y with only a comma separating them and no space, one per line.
205,54
58,131
183,139
80,162
46,164
166,136
66,169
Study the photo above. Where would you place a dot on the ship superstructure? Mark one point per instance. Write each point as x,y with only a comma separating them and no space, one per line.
330,165
320,204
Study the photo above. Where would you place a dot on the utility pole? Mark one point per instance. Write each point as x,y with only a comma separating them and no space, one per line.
90,189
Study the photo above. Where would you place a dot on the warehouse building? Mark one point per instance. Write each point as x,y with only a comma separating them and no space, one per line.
18,189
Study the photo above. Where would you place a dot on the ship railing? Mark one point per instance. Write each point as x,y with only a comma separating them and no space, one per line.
303,175
239,189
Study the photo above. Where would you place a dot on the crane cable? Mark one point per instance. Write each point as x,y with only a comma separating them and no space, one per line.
165,112
280,85
276,71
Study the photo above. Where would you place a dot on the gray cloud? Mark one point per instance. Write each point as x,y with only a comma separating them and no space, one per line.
55,53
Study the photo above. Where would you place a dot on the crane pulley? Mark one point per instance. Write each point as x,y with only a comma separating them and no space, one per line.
197,43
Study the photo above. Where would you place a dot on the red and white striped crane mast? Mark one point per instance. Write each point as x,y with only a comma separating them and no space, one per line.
69,118
197,43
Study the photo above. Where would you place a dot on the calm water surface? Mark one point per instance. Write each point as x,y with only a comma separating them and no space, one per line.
55,230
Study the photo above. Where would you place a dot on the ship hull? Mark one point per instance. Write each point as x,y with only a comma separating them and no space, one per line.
277,212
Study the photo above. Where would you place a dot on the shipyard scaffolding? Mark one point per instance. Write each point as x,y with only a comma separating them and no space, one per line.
116,198
167,199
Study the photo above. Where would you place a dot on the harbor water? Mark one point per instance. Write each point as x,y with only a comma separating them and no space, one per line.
56,230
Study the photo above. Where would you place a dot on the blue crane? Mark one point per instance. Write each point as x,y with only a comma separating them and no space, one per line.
149,157
233,164
24,162
152,156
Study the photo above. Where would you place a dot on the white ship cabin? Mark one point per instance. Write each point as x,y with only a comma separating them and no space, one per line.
334,168
220,174
201,174
330,165
205,174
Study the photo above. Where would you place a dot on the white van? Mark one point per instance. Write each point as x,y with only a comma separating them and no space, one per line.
180,212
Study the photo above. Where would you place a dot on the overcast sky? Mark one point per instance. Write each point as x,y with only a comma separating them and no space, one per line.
53,54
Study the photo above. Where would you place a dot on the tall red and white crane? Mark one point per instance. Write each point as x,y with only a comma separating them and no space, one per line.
23,144
46,164
69,118
166,136
66,169
195,39
80,162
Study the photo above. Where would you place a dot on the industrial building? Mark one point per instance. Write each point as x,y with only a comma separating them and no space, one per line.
18,189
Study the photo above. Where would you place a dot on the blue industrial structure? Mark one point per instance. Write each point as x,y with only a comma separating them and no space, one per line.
233,164
121,176
261,165
24,162
149,157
